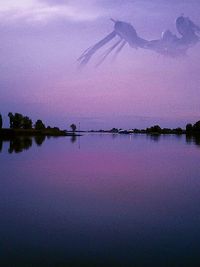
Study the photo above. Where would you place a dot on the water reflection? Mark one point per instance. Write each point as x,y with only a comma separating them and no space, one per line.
190,139
23,143
123,201
1,145
73,138
19,144
154,137
39,139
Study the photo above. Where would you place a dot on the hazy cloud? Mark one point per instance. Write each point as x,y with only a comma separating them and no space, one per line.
35,11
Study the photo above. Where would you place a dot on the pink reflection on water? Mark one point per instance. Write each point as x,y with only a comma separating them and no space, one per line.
119,172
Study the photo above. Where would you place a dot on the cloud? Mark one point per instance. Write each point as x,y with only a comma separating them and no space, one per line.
35,11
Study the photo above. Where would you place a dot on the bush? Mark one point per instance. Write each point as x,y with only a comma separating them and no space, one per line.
39,125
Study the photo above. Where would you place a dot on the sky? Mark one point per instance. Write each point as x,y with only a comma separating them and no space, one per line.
41,41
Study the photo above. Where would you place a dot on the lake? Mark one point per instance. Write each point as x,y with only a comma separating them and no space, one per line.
100,200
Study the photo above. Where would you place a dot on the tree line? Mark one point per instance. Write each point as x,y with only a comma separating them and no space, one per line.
19,121
193,129
190,129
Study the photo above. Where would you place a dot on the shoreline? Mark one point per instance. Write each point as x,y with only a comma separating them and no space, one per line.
7,132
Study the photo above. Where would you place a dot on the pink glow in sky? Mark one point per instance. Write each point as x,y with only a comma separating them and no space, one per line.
41,40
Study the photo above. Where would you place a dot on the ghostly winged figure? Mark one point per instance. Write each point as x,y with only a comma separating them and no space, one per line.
169,44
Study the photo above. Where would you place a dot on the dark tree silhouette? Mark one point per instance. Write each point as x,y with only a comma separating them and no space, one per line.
114,130
39,125
11,117
189,128
27,123
193,129
73,127
196,127
166,131
18,121
178,130
154,129
1,122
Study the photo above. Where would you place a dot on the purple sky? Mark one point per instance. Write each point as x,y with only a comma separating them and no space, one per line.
41,40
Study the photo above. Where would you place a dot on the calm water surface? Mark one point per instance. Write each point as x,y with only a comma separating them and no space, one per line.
100,200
